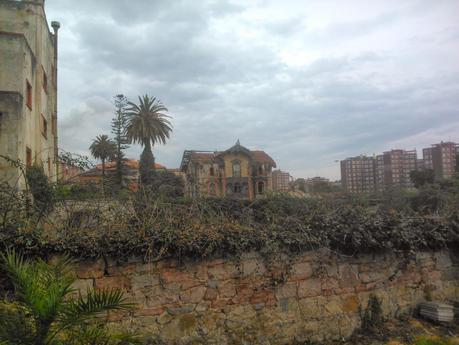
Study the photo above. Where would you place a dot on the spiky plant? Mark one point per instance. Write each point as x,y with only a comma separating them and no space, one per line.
44,309
147,124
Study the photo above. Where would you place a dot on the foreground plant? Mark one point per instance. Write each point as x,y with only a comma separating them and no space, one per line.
44,309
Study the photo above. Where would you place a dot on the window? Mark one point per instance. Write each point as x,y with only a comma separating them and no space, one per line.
236,169
28,157
260,187
237,188
44,126
29,95
53,125
260,170
45,81
212,189
49,166
211,171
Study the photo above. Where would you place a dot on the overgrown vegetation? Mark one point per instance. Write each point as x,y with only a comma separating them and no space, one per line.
165,227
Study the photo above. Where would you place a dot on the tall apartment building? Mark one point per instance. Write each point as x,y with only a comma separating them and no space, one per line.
392,169
28,88
358,174
281,181
441,158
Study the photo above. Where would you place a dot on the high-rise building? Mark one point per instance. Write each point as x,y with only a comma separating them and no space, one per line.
28,89
358,174
281,181
441,158
393,169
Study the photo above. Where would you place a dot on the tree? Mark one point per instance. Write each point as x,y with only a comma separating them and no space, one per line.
167,184
119,123
422,177
102,148
44,309
147,124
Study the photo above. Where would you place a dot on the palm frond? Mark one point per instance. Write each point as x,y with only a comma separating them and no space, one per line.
93,304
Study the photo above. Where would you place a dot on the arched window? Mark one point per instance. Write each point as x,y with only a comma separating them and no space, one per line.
236,169
212,189
260,170
212,171
237,188
261,187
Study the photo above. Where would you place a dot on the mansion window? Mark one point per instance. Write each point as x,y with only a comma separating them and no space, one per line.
236,169
212,171
237,188
29,95
260,187
212,189
260,170
28,157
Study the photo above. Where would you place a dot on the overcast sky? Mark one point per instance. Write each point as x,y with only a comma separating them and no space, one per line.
309,82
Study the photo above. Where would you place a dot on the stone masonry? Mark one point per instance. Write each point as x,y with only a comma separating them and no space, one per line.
317,296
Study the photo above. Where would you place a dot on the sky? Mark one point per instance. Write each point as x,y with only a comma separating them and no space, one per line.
310,82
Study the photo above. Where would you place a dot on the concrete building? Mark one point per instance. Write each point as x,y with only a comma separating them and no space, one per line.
28,89
358,174
441,158
317,184
237,172
393,168
281,181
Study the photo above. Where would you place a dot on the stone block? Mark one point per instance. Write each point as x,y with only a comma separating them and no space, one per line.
309,288
90,269
115,282
287,290
82,285
301,271
193,295
333,306
144,280
348,276
351,304
310,308
227,289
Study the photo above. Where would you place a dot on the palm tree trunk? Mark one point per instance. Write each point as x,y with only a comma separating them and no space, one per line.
146,166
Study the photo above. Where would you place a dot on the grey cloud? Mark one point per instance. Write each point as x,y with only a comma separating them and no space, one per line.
222,86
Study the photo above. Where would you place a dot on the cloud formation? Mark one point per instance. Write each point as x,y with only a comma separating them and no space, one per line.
309,84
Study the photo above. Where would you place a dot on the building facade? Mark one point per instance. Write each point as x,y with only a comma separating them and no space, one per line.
28,89
131,173
281,181
441,158
393,168
237,172
358,174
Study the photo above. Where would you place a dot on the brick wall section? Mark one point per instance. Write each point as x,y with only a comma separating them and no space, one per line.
315,296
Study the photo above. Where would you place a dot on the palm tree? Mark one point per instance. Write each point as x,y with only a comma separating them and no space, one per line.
147,124
102,148
44,309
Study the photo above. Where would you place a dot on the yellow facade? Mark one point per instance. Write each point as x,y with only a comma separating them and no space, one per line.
237,173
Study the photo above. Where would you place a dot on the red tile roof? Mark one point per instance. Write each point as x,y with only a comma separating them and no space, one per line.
130,163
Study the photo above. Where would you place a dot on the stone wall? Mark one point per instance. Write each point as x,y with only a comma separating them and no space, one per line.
316,296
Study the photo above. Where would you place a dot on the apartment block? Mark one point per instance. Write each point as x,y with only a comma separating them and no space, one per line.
441,158
281,181
392,169
28,89
358,174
